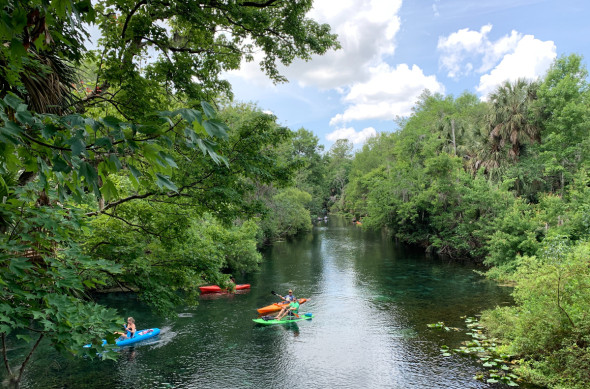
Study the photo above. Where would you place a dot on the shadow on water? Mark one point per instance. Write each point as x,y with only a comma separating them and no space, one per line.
372,301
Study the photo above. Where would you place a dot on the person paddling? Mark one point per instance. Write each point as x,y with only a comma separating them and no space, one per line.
130,328
292,308
290,297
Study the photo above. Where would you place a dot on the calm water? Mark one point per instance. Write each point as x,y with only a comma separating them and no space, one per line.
372,302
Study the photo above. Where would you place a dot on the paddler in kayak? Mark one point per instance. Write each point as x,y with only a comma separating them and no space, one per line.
290,309
290,297
130,328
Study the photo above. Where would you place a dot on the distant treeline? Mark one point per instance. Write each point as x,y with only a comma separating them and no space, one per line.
504,182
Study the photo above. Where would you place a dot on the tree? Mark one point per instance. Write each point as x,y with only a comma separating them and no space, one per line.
68,156
339,160
510,118
563,98
192,44
311,175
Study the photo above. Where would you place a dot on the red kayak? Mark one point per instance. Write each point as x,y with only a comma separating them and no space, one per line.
217,289
276,307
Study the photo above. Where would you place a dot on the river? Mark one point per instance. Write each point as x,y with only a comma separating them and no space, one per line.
372,301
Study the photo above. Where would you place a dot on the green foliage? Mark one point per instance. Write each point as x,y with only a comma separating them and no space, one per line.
518,232
311,174
288,214
338,167
549,325
44,276
504,183
97,176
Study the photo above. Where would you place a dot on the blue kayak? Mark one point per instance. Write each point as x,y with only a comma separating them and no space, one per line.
139,336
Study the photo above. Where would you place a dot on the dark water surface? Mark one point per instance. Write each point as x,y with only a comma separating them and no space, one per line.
372,302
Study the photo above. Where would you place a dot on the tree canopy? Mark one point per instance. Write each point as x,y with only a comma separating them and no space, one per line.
118,161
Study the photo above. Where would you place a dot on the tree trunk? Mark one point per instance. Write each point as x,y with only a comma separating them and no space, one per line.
453,135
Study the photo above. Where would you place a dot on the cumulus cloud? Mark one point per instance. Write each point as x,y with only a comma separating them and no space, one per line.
530,59
365,29
389,92
512,56
461,46
352,135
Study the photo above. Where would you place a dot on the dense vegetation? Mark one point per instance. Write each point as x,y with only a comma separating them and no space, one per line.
129,167
504,182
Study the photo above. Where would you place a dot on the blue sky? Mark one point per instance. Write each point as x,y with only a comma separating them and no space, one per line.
392,50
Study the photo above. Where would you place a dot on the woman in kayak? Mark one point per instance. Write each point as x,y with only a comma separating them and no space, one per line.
293,308
130,328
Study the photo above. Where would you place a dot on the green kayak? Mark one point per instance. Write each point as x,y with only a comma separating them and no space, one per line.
267,321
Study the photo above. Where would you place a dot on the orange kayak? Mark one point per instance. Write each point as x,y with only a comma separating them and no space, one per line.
276,307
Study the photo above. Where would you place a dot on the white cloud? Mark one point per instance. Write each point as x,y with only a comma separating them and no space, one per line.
460,46
389,92
508,58
496,50
530,59
352,135
365,29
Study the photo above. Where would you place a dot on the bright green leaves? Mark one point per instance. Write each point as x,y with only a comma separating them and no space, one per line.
212,126
39,281
190,115
215,128
81,153
108,190
164,182
208,109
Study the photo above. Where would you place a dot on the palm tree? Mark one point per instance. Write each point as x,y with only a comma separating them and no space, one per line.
510,117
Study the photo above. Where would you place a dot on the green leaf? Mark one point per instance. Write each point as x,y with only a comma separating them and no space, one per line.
59,165
19,265
12,101
164,182
108,190
3,188
147,129
77,145
12,128
24,116
74,120
190,115
216,128
208,109
89,173
169,160
111,122
104,142
26,338
136,173
49,130
115,161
